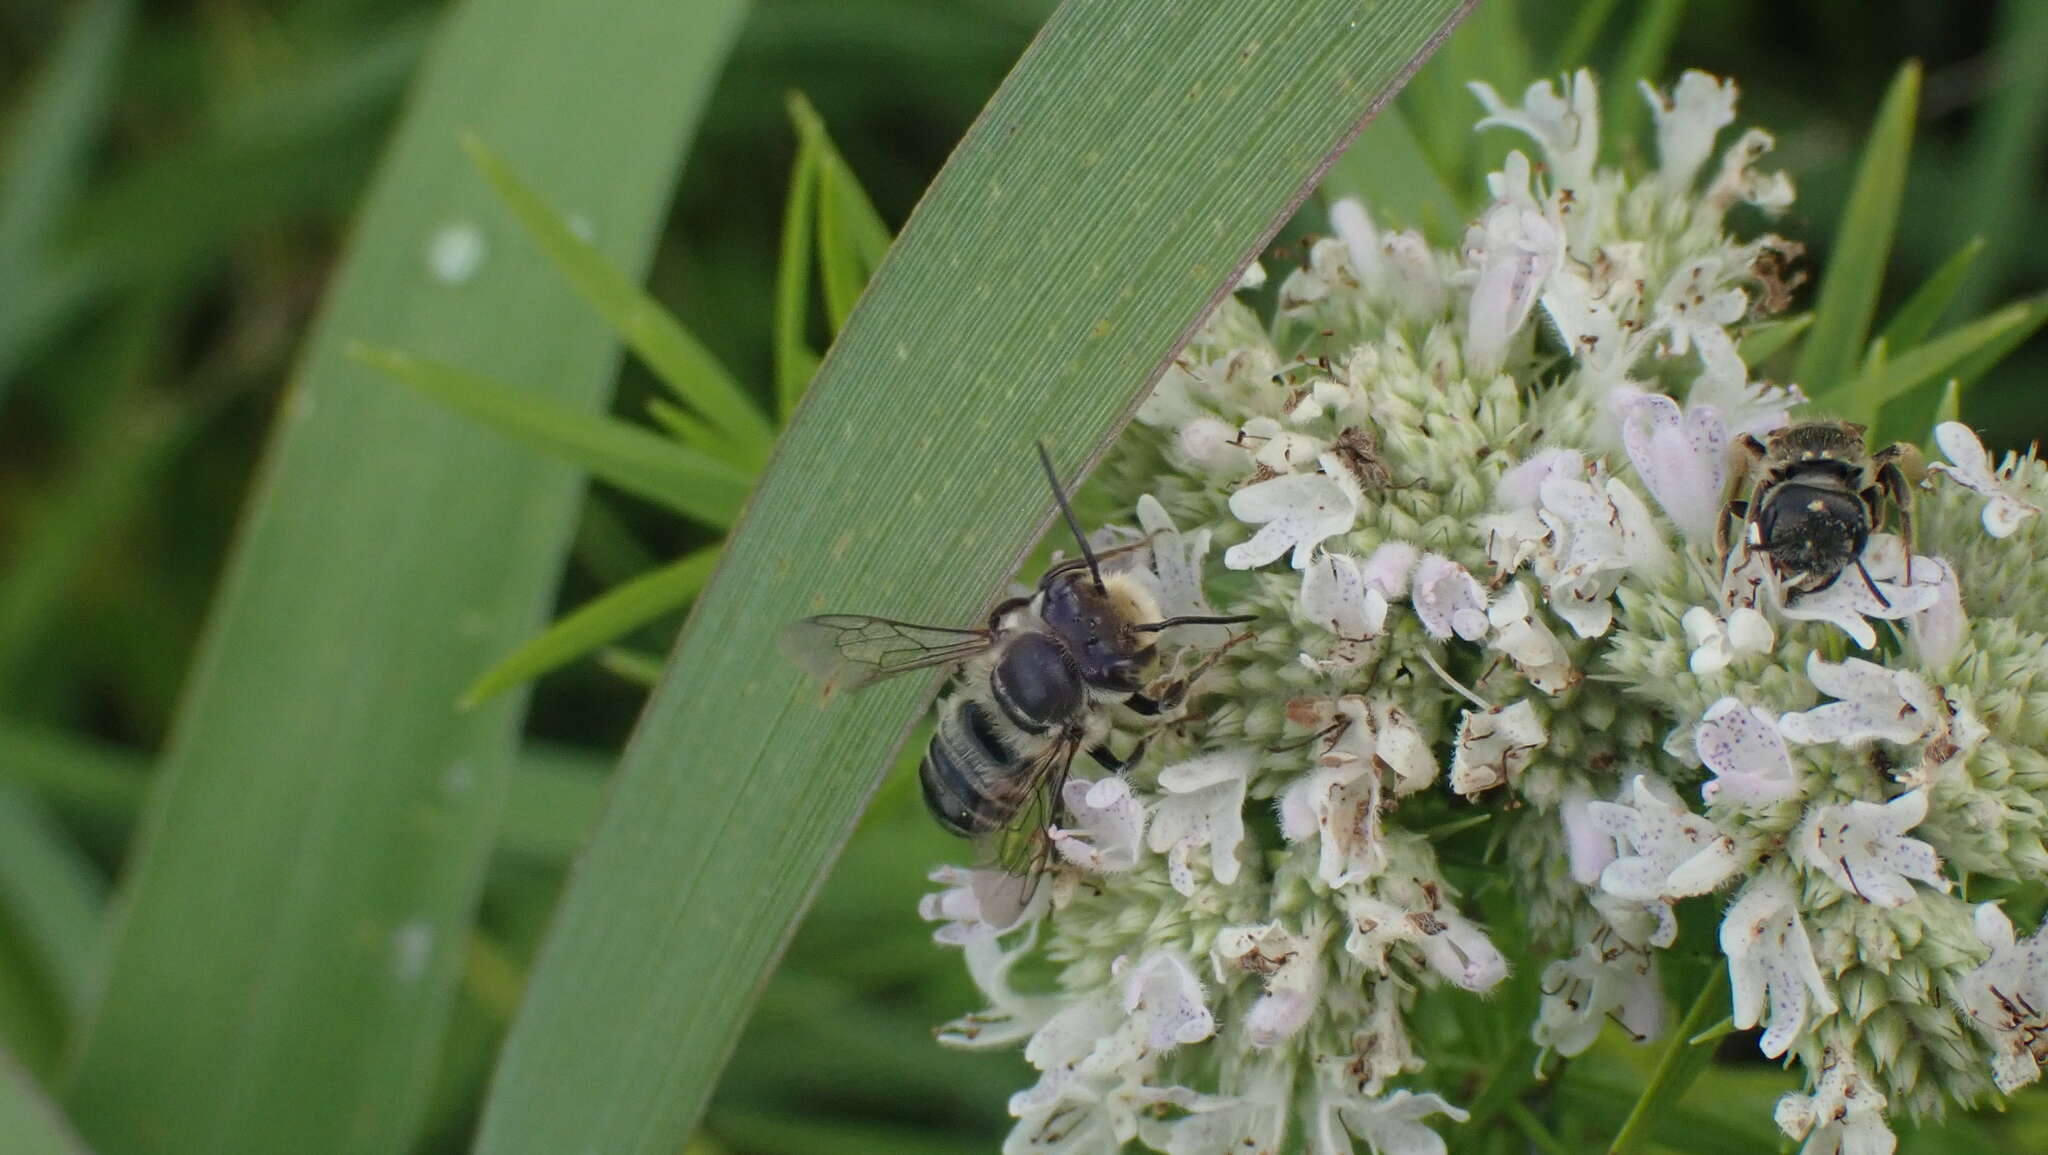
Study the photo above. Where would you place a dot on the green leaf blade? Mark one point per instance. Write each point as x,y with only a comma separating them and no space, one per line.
389,551
1045,279
1862,246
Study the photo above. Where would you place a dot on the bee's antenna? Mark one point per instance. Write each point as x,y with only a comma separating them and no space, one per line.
1073,523
1169,623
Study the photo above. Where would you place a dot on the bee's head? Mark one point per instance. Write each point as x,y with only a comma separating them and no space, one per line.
1099,625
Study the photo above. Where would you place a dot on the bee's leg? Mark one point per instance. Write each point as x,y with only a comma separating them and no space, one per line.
1893,481
1736,512
1149,704
1107,759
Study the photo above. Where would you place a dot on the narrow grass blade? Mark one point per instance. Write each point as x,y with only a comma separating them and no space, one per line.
78,777
1575,51
602,619
1860,399
643,670
1643,53
1388,169
50,140
1765,341
851,238
1676,1068
795,363
1923,310
1862,246
699,436
1013,306
47,146
637,461
1976,364
1950,406
389,551
2008,138
680,361
112,473
50,893
31,1122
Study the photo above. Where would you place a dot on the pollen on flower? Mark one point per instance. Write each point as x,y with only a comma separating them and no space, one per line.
1470,497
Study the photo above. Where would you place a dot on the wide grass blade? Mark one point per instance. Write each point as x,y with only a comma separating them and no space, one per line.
389,551
678,359
602,619
640,462
30,1122
550,805
1863,244
1138,156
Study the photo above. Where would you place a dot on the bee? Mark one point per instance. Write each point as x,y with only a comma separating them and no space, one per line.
1034,689
1816,494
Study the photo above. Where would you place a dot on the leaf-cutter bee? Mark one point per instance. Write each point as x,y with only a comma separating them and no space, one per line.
1816,494
1034,689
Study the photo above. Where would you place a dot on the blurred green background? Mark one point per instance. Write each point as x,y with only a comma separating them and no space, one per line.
143,352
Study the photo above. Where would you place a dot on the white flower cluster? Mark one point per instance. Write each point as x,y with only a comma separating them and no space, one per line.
1473,498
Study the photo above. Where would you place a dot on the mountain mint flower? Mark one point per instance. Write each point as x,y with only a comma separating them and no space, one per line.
1470,494
1863,847
2004,511
1745,750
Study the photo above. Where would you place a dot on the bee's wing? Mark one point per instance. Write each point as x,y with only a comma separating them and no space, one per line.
1022,850
848,651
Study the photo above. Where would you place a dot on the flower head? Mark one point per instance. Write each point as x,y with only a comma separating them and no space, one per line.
1467,531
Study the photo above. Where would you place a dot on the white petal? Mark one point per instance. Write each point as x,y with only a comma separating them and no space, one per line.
1743,748
1294,512
1335,596
1494,745
1448,600
1682,459
1874,704
1388,567
1699,107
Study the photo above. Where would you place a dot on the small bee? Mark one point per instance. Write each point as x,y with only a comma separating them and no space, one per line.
1816,494
1035,689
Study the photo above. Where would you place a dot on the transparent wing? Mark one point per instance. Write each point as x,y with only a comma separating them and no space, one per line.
848,651
1022,850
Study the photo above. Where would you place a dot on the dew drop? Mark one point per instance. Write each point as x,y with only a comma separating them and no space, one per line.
456,252
411,944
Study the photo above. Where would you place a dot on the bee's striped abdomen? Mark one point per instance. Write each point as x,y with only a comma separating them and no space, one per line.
964,769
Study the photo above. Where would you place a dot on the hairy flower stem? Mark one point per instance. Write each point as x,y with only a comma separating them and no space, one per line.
1673,1074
